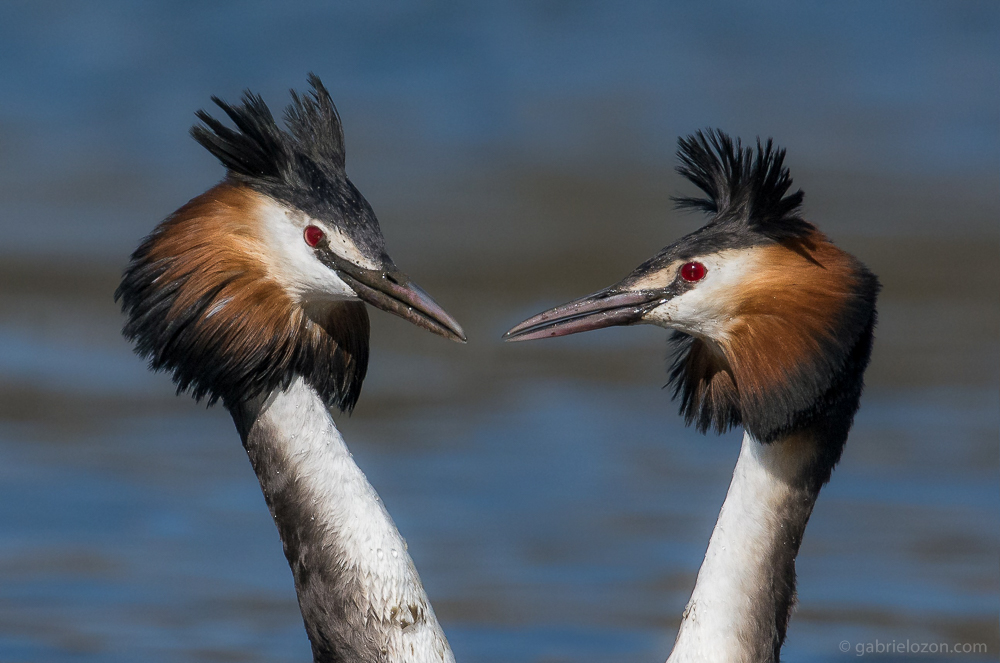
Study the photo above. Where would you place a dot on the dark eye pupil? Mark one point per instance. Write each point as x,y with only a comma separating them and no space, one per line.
313,235
693,271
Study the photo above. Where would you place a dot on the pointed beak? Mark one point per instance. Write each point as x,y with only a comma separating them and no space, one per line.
391,290
610,307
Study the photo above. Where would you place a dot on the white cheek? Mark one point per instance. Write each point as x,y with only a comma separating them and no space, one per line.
293,263
705,310
689,313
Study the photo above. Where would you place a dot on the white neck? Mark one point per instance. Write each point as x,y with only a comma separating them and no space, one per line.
746,586
359,592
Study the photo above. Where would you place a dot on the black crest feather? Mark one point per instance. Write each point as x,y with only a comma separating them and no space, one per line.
262,152
705,386
301,165
801,325
742,184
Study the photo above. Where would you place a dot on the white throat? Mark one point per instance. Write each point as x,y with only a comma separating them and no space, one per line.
739,608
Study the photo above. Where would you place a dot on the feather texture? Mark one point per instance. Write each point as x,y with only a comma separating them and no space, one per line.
743,185
201,305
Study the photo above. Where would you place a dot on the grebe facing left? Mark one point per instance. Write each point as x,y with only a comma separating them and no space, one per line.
772,330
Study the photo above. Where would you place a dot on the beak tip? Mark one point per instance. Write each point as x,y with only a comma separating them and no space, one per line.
393,291
457,333
609,307
515,332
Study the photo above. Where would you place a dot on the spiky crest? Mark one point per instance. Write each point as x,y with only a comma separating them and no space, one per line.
260,151
302,166
315,123
743,185
794,325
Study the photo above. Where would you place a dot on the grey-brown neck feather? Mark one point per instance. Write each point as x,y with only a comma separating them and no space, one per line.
359,593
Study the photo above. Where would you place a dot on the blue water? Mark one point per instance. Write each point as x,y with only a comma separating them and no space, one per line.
518,154
554,523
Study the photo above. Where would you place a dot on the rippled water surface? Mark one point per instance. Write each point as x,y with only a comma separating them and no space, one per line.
518,155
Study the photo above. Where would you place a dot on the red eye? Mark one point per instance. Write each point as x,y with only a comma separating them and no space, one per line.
693,271
313,235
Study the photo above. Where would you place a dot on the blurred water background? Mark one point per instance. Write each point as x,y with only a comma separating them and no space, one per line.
518,155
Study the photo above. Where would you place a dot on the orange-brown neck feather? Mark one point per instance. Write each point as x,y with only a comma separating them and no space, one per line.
201,303
792,334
